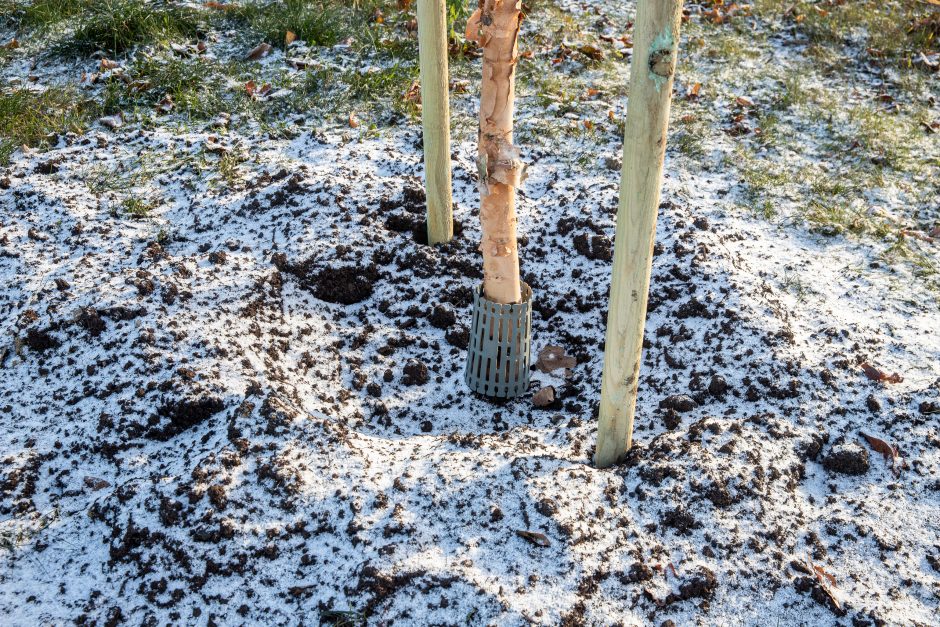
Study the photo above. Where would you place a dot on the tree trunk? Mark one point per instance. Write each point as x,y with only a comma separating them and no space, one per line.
435,117
655,41
495,25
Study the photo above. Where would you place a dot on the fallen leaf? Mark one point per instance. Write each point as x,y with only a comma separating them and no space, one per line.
13,44
591,51
825,580
744,102
166,104
552,358
538,539
259,51
108,64
544,397
96,484
890,453
353,122
413,94
112,121
876,374
257,92
693,92
290,37
219,6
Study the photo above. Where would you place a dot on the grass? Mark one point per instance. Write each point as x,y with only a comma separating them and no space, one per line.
116,26
893,28
316,22
198,87
35,119
119,25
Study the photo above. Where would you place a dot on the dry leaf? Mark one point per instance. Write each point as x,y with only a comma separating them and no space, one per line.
166,104
290,37
96,484
414,93
108,64
693,92
219,6
825,580
744,102
552,358
112,121
889,452
544,397
259,51
257,92
876,374
591,51
538,539
13,44
353,122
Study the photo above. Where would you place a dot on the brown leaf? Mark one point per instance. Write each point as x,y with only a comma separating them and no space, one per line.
693,92
544,397
538,539
554,357
591,51
255,91
96,484
414,93
353,122
744,102
259,51
825,580
890,453
13,44
876,374
108,64
219,6
290,37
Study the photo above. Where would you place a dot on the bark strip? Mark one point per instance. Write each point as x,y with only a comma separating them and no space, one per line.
495,26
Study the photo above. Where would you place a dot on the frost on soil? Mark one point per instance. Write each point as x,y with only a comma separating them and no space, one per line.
248,408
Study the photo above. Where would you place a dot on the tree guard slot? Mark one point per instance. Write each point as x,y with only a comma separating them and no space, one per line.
498,353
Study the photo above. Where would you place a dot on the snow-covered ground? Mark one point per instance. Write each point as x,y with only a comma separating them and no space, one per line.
248,407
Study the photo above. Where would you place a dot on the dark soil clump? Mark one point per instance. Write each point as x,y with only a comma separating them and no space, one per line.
184,415
847,459
415,373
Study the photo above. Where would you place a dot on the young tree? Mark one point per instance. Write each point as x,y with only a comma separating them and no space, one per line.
495,26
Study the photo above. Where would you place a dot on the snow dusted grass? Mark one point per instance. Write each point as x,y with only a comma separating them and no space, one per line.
193,432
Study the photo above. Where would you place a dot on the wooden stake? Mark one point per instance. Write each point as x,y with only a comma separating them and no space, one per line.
655,44
435,118
495,25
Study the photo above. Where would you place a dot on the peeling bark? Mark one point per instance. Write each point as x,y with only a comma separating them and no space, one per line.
495,26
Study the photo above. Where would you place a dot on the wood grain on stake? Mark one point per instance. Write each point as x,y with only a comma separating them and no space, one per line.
656,37
435,117
495,26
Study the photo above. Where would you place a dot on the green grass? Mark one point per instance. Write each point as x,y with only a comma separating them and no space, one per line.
892,28
34,119
119,25
198,87
42,14
137,208
115,26
316,22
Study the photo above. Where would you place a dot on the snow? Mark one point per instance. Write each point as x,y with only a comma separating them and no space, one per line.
296,491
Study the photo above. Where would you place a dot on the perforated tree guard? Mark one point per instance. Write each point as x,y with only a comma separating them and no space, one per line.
498,353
